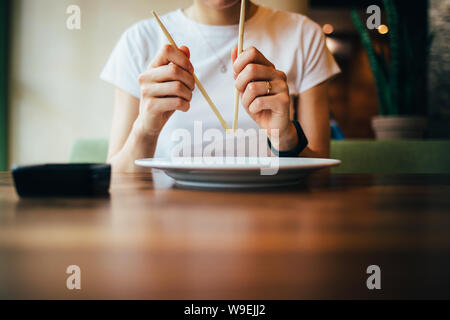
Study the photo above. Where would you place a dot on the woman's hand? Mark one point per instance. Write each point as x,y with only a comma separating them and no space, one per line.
166,86
265,95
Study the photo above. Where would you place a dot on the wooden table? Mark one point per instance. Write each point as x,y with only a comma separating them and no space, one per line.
151,240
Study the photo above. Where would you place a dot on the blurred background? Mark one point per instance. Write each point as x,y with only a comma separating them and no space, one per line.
51,94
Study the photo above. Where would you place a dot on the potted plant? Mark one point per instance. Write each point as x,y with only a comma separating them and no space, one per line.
401,77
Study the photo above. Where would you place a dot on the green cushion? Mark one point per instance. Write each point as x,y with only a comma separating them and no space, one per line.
392,156
89,151
358,156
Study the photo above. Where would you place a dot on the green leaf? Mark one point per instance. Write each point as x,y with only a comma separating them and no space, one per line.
395,53
383,89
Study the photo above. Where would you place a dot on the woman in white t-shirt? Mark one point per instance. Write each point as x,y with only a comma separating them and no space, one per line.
155,89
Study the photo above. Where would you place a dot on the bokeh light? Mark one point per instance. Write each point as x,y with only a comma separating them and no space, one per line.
383,29
328,28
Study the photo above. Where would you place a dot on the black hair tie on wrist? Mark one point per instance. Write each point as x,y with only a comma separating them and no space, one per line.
301,145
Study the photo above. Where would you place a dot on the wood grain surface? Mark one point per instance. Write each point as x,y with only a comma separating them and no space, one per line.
152,240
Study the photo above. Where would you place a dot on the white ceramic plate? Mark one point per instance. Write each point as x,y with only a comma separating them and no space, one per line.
237,172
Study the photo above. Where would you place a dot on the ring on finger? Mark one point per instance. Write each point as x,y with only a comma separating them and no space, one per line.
269,87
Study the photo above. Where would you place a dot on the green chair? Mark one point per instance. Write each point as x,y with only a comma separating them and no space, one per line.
392,156
89,151
358,156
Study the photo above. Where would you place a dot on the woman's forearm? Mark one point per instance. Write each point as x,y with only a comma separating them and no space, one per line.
309,152
138,145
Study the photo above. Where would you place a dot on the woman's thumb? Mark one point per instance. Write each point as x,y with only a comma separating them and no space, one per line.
234,54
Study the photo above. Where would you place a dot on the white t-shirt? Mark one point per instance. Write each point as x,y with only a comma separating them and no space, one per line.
292,42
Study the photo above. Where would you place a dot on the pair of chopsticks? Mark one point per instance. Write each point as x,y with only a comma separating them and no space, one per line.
199,84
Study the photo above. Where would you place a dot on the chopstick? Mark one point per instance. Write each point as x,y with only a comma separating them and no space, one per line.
240,48
197,82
